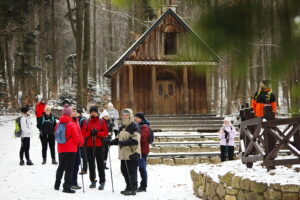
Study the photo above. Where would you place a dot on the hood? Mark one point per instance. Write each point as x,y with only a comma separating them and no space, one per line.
65,119
145,122
131,116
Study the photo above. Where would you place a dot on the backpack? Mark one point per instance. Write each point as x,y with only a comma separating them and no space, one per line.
50,120
18,128
60,133
151,136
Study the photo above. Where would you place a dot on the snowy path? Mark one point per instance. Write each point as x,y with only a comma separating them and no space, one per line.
36,182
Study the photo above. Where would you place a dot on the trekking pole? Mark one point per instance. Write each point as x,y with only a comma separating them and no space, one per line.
81,170
112,180
127,172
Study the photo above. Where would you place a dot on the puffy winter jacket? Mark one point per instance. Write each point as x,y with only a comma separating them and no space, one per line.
46,124
260,99
114,116
39,109
26,126
145,132
231,135
73,136
100,126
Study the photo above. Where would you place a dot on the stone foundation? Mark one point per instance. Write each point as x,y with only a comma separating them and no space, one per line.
182,161
234,187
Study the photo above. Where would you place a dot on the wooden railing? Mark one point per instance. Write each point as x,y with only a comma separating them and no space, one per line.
261,138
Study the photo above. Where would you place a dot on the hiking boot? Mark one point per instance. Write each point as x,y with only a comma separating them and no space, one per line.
75,187
29,162
129,192
54,162
125,190
44,161
93,184
82,172
56,187
141,189
22,162
69,191
101,187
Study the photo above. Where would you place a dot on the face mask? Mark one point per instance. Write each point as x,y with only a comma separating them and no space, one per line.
126,122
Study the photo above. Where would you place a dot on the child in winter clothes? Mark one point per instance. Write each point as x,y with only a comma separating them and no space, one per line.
46,125
26,127
226,136
105,116
114,116
67,151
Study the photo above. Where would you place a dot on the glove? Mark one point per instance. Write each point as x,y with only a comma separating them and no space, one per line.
94,132
113,142
121,144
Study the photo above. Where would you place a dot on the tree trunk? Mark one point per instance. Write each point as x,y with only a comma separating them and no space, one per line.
54,54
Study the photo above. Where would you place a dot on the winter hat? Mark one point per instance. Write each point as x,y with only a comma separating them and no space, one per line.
125,112
267,83
94,109
67,110
110,105
67,101
227,119
47,108
24,109
140,115
104,114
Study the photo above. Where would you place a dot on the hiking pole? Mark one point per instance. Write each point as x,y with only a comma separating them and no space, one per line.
112,180
81,170
126,166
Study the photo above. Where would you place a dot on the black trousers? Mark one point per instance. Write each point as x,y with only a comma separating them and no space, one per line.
45,140
66,164
106,149
98,155
129,171
84,158
76,168
226,152
25,146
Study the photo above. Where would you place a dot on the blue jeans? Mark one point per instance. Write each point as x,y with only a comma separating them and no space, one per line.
143,170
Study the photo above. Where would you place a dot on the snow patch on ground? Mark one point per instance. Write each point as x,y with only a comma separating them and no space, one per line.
281,174
36,182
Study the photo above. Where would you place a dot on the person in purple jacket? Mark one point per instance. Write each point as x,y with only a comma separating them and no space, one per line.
226,136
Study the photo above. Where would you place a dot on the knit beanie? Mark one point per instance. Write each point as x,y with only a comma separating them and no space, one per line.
140,115
104,114
24,109
67,110
94,109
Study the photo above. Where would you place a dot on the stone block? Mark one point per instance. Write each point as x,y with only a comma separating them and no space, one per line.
182,149
184,161
221,190
168,161
166,149
197,160
163,139
230,197
155,149
200,191
289,188
195,149
290,195
245,184
215,160
235,182
204,160
153,161
212,188
250,195
275,186
258,187
226,178
272,195
241,195
231,191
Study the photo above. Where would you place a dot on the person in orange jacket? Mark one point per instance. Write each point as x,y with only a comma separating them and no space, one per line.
262,97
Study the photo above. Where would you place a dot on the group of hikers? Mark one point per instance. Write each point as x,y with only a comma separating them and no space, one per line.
88,140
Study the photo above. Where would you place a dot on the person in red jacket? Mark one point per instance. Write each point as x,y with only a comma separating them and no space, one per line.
68,150
40,108
145,132
94,131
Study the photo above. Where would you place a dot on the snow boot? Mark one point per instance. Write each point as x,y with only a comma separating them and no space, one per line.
101,187
44,161
75,187
29,162
141,189
93,184
105,166
69,191
125,190
54,162
82,172
56,187
22,162
129,192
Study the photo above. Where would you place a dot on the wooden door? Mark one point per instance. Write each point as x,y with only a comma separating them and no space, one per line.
166,92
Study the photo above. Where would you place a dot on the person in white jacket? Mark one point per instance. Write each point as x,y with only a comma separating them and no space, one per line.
113,116
26,127
226,136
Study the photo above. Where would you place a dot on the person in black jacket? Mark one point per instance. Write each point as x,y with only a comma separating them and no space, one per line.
46,125
110,126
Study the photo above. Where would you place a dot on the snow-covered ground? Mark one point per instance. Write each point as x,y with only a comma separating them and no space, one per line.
37,181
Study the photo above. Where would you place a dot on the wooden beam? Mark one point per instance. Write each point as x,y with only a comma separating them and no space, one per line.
154,90
185,90
130,84
168,63
253,158
281,162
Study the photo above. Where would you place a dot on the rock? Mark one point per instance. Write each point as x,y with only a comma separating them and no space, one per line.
235,182
241,195
226,178
290,196
184,161
154,161
189,161
272,195
289,188
245,184
194,175
250,195
275,186
231,191
212,189
215,160
204,160
216,198
182,149
230,197
258,187
168,161
155,149
260,197
197,160
221,190
195,149
163,139
166,149
200,191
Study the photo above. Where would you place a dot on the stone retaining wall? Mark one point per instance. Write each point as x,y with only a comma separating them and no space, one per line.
231,187
182,161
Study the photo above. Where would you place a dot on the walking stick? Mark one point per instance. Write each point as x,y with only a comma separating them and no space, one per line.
112,180
81,170
128,172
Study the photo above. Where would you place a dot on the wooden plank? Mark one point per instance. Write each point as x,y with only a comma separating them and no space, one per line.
253,142
154,90
251,122
185,90
280,162
279,122
130,84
